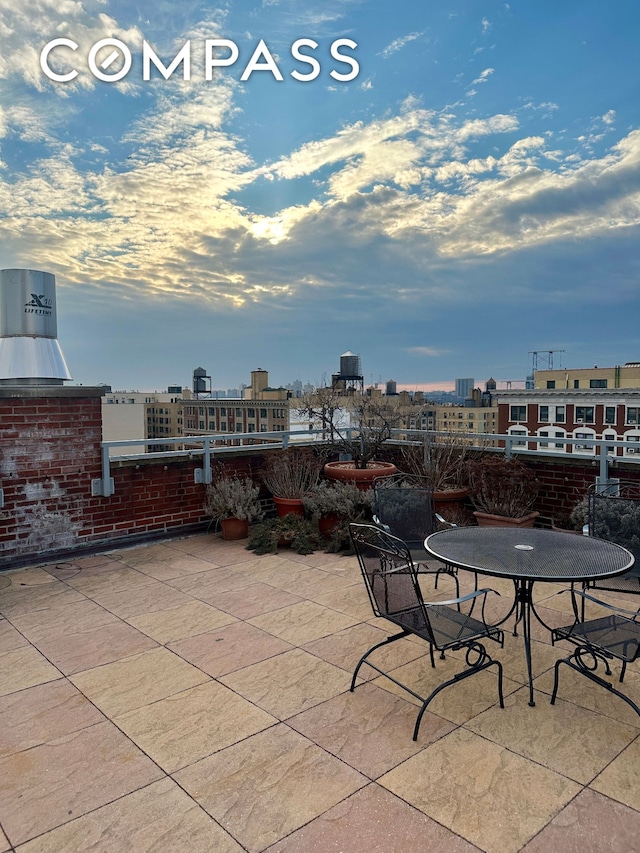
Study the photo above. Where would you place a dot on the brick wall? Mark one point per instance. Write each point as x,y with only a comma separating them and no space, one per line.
50,452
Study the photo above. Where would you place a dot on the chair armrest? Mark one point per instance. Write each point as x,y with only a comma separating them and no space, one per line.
380,524
605,604
444,520
468,597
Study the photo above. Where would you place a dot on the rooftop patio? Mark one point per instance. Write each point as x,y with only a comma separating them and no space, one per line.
189,695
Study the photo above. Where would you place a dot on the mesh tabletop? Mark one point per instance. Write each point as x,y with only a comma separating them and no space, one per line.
530,553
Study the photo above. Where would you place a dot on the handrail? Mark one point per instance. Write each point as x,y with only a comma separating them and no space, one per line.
219,443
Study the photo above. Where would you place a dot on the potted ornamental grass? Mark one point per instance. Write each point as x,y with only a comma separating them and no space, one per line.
232,501
289,475
442,460
333,503
503,492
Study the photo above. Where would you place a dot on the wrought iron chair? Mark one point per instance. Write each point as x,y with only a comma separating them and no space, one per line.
613,513
394,592
403,507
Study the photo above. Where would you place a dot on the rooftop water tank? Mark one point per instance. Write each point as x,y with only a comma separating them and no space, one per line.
29,350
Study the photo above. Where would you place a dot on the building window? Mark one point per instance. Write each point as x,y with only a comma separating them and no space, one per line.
223,411
634,437
633,415
543,414
576,383
561,416
597,383
238,413
223,426
263,427
212,411
584,415
201,410
200,424
515,431
518,413
609,414
551,383
251,413
584,448
238,427
263,413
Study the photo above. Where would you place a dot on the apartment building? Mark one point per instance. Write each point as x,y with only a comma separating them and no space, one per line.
552,415
139,415
589,378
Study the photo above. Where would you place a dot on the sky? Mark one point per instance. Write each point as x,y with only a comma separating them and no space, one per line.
448,188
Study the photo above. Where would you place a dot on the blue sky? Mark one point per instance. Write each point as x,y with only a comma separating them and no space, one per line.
473,194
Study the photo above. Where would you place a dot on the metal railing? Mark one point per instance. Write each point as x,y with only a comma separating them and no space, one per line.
218,444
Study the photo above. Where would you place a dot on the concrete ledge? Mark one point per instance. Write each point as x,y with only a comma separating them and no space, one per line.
34,391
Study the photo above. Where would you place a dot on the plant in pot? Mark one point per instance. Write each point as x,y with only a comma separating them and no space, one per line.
357,427
289,474
442,459
336,502
503,492
233,502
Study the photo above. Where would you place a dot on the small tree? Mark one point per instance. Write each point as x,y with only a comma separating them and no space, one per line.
358,425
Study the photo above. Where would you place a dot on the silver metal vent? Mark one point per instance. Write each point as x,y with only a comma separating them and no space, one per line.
29,350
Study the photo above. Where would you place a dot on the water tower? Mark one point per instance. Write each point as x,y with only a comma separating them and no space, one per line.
201,382
29,350
350,377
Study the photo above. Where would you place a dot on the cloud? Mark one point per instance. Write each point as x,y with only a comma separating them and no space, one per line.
398,43
484,76
430,352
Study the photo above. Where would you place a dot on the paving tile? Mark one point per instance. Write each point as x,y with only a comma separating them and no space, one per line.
369,729
9,637
42,713
72,618
24,667
254,600
568,739
94,581
4,843
302,623
352,600
372,821
32,576
187,726
159,817
289,683
229,648
53,783
75,652
17,600
177,566
481,791
589,824
144,599
269,785
345,649
205,586
137,680
621,779
176,623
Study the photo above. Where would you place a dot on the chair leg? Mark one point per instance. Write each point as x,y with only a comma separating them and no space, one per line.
573,662
364,657
483,663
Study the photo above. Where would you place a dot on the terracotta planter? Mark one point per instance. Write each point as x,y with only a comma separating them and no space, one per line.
566,530
284,506
327,523
234,528
362,477
447,497
486,519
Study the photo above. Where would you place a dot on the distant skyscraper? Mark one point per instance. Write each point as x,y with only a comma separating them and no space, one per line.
464,387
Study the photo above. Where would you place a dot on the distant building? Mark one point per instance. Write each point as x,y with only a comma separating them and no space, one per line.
621,376
544,417
138,415
464,387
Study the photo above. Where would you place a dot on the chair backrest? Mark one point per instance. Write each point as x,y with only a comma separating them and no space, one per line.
614,515
404,504
387,569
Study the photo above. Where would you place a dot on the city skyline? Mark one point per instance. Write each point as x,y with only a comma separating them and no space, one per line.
440,190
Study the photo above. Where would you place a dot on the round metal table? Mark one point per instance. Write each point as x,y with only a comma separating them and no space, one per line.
525,556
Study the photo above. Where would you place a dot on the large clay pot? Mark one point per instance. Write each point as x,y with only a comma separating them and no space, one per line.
362,477
442,499
327,523
284,506
234,528
487,519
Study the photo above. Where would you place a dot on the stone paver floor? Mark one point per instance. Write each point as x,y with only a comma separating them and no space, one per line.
188,695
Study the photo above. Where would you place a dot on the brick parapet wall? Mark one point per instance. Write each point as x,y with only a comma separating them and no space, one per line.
50,453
